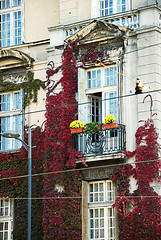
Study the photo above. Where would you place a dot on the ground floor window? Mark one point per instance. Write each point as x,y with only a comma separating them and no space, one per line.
101,214
6,219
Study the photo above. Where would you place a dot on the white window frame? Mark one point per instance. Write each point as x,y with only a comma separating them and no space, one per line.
8,144
6,218
105,202
105,90
95,8
12,10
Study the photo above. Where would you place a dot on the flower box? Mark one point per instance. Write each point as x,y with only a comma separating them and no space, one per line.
76,130
110,125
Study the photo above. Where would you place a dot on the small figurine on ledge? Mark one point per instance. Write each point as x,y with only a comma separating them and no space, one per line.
140,87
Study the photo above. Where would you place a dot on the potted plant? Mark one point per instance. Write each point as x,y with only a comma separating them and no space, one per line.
92,127
109,122
76,126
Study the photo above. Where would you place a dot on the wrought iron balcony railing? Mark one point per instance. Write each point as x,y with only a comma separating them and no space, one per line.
106,141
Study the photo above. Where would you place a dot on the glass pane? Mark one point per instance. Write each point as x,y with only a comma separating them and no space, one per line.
101,186
17,27
96,197
96,233
88,75
5,4
118,9
110,3
91,234
98,78
6,202
93,74
91,223
6,225
106,3
101,223
91,187
101,212
96,223
1,226
91,213
110,232
1,235
5,102
123,8
89,84
94,83
17,100
110,212
110,222
6,211
91,198
101,197
96,187
2,203
96,212
1,211
6,236
16,2
101,233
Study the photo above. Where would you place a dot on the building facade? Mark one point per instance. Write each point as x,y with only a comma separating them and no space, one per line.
118,41
24,38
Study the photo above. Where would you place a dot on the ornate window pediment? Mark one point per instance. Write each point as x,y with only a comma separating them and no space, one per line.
13,59
98,31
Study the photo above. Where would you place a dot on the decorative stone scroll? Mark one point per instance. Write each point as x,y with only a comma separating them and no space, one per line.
15,78
97,173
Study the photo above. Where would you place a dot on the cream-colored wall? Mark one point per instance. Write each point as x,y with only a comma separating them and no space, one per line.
38,16
77,10
74,10
142,3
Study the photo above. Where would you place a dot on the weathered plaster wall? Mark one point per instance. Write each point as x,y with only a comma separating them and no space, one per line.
74,10
38,16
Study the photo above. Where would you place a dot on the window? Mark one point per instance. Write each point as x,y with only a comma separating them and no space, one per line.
6,219
108,7
101,214
10,118
10,22
102,93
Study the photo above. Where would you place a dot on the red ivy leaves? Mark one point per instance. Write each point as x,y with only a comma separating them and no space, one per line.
61,215
92,55
139,212
9,175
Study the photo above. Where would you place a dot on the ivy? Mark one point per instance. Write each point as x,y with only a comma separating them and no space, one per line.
62,214
16,164
139,212
92,55
30,87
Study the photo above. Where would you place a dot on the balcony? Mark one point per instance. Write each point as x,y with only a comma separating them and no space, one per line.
134,19
129,19
106,141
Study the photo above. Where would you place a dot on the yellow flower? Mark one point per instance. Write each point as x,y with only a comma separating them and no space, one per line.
109,119
76,124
